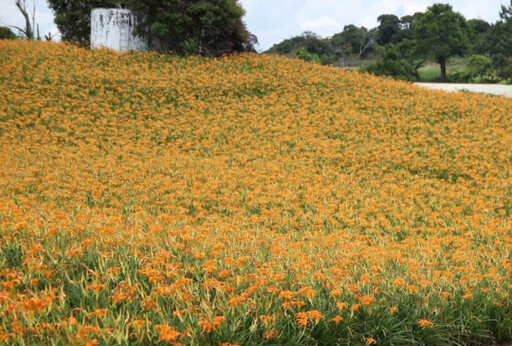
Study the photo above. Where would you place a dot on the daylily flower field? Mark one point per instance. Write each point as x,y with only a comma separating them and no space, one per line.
247,200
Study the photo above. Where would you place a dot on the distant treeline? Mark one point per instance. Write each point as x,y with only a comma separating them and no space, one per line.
398,47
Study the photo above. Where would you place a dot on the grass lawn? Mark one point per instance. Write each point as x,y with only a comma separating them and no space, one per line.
431,72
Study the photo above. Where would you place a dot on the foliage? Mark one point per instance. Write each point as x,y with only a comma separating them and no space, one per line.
393,63
6,33
312,43
303,54
73,17
353,40
441,33
478,34
206,27
503,65
353,43
479,65
388,29
500,43
149,199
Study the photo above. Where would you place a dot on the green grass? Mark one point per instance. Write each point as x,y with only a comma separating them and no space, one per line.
431,72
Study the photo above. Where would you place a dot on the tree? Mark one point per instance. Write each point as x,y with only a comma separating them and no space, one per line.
478,32
211,28
389,27
500,35
73,17
6,33
353,41
28,31
441,33
500,39
315,44
309,41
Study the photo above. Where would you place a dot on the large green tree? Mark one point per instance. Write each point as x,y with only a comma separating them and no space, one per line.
206,27
73,17
441,33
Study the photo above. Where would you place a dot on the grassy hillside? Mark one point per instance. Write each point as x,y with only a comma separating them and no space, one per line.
249,200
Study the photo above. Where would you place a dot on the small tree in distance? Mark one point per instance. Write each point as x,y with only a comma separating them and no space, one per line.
6,33
441,33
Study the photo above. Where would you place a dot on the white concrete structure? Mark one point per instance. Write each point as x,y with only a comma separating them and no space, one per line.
113,28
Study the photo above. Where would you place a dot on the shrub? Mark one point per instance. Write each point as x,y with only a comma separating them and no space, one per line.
303,54
6,33
392,64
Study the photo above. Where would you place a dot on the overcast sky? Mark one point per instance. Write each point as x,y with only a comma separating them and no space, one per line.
272,21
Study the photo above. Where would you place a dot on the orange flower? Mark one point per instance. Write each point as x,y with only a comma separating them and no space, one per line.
96,287
315,315
287,295
365,300
425,323
336,293
92,342
271,334
393,309
355,307
370,341
206,326
337,319
167,333
302,318
267,319
217,320
342,305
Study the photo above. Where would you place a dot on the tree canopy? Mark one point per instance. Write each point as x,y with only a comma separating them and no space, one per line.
389,27
206,27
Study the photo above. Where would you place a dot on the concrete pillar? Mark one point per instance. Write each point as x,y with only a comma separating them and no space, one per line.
113,28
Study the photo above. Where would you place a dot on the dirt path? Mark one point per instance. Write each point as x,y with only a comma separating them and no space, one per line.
495,89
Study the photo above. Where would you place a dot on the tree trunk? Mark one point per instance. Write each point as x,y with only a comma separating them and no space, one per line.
442,63
28,27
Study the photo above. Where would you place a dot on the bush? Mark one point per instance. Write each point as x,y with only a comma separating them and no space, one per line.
392,64
303,54
6,33
479,65
503,66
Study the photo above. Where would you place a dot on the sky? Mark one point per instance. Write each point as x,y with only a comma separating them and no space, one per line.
273,21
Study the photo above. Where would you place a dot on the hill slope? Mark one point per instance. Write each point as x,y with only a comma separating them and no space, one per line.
253,199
